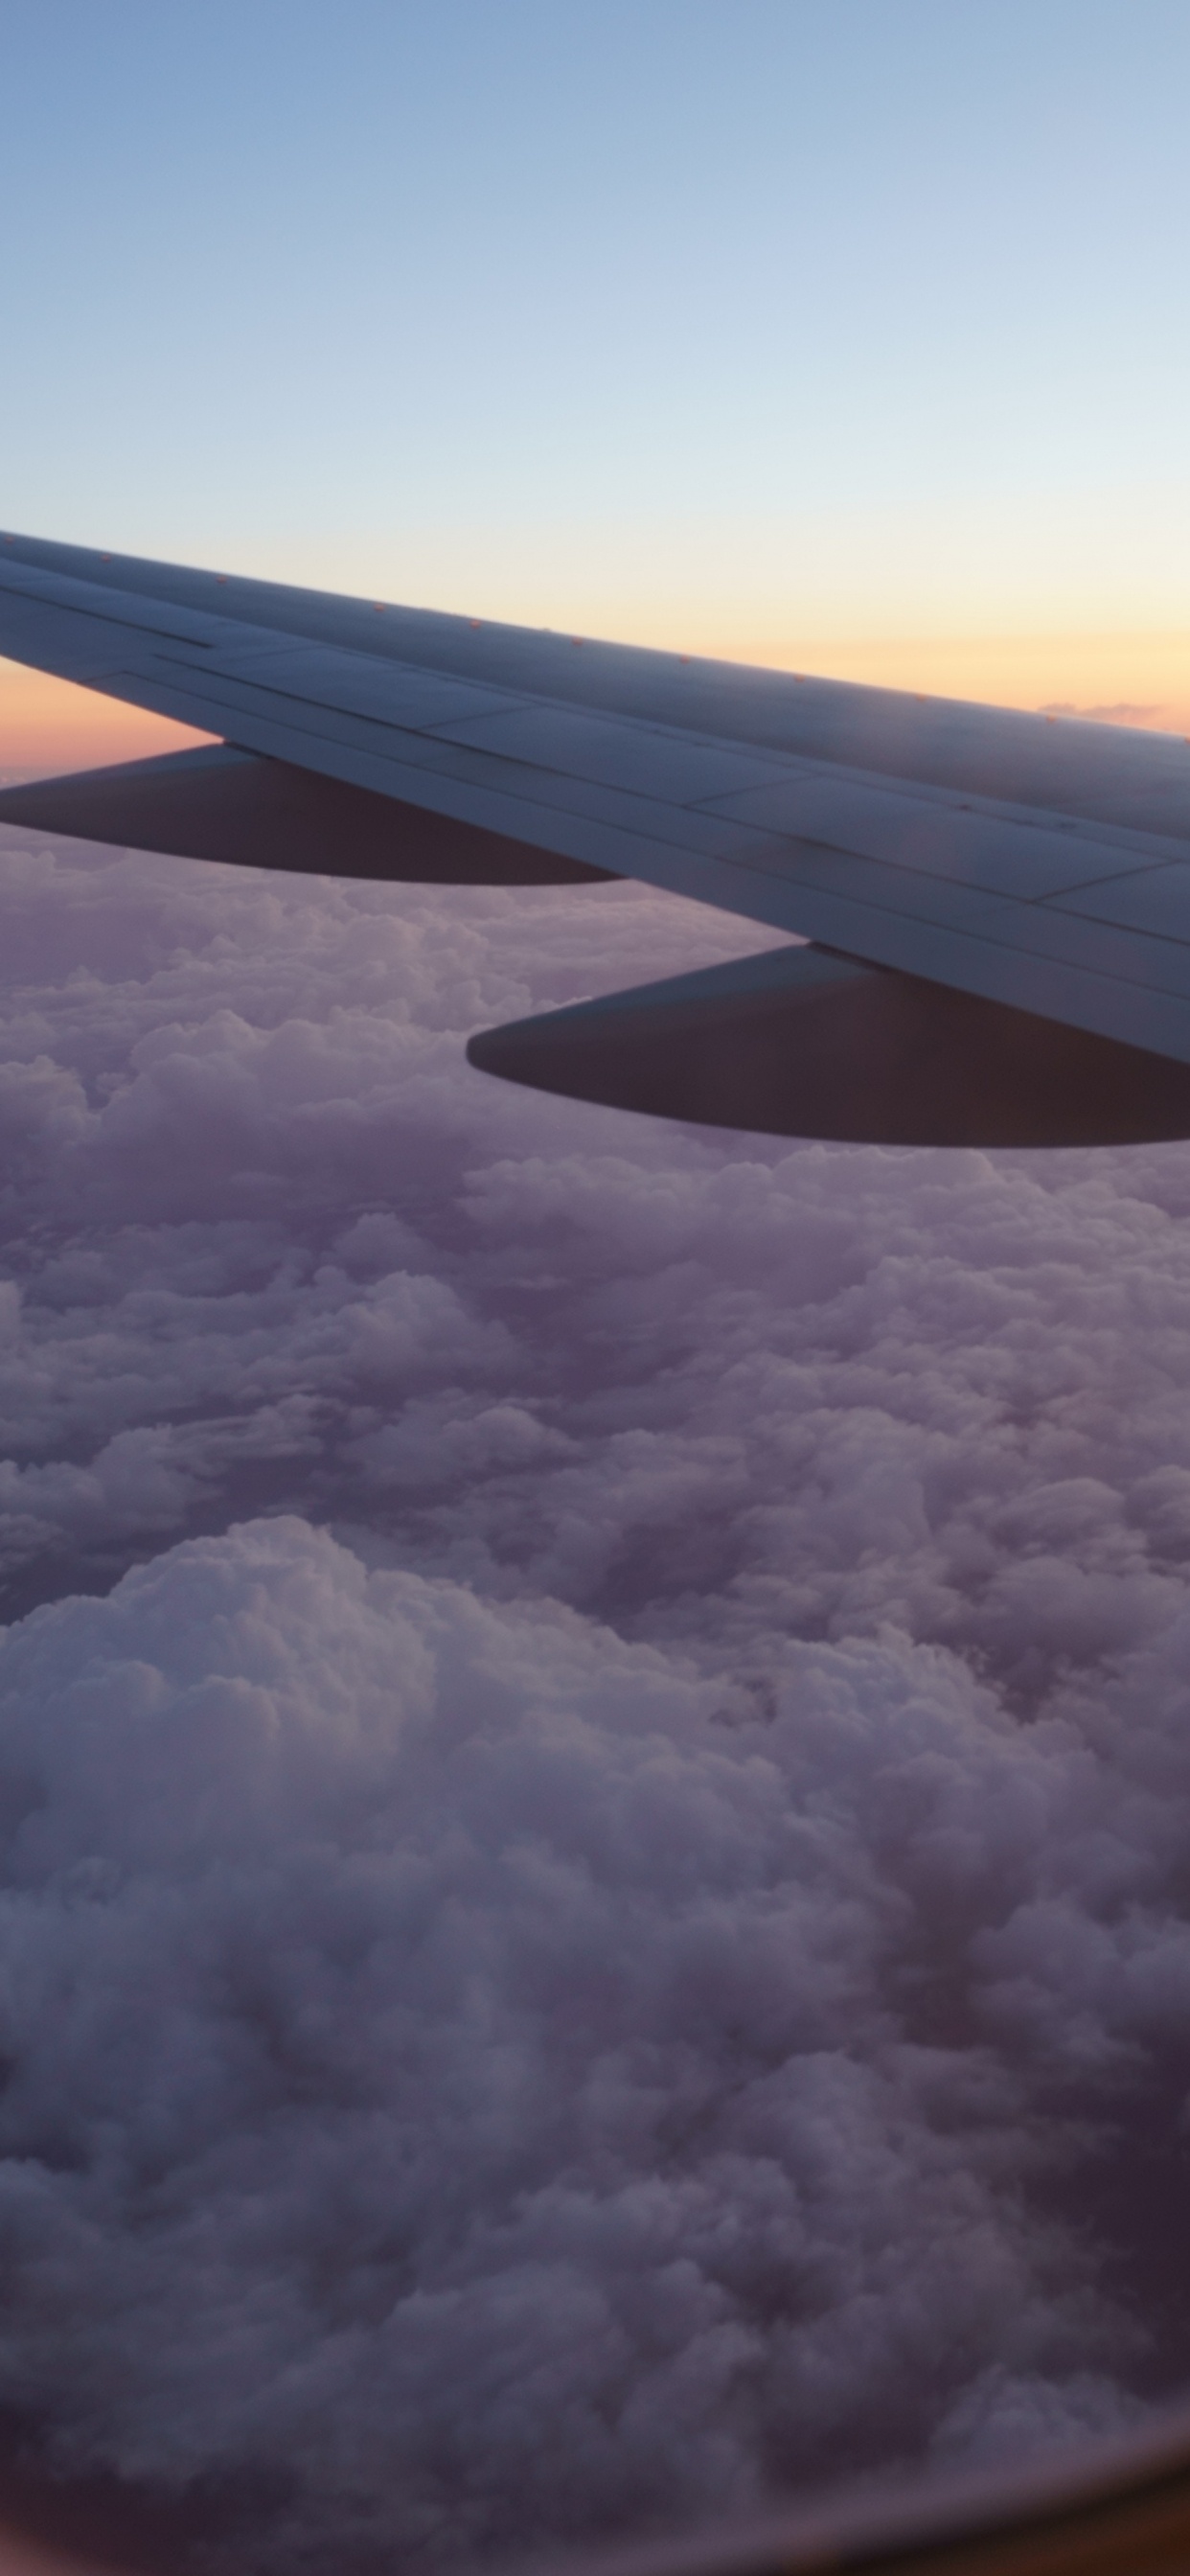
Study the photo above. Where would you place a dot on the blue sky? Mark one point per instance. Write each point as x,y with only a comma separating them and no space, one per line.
755,324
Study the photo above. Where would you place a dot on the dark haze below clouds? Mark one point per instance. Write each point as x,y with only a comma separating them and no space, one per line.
598,1926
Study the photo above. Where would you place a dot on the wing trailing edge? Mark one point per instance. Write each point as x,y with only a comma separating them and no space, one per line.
800,1042
223,803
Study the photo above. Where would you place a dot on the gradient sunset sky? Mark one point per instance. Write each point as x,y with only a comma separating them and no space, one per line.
844,334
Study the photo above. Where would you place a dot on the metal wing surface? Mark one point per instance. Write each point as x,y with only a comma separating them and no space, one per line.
1004,898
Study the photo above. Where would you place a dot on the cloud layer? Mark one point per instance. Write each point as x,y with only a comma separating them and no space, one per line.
597,1928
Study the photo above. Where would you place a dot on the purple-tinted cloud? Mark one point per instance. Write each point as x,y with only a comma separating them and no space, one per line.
598,1928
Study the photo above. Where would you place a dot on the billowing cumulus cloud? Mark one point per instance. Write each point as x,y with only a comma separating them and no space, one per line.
594,1751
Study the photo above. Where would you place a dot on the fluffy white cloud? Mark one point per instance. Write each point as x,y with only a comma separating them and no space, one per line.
601,1926
460,2071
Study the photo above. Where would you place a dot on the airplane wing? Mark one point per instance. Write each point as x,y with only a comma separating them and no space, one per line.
997,905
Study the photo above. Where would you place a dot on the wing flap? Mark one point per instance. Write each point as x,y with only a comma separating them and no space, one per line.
1132,988
1026,857
800,1043
1155,900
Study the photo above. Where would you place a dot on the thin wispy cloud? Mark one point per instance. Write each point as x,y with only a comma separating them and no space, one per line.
1122,711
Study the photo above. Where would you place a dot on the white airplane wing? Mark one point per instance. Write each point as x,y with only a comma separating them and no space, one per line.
997,905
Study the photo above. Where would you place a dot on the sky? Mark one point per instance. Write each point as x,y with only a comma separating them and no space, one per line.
848,336
594,1765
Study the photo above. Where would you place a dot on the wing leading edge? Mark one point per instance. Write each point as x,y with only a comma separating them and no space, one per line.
1005,900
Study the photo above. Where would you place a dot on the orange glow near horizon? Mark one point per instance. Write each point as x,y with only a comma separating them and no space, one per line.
47,725
1136,679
